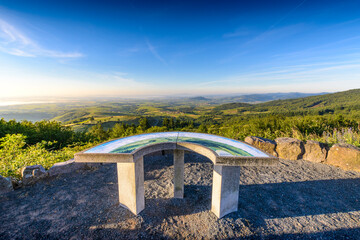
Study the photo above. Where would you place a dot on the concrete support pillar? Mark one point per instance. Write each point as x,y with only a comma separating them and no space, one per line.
131,185
178,173
225,190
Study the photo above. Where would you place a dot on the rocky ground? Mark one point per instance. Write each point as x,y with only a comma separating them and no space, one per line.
294,200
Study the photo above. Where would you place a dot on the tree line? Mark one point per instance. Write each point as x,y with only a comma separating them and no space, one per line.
47,142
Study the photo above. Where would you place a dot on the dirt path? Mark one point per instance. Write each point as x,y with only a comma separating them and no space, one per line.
295,200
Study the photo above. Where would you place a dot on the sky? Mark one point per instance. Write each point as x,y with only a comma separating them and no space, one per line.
156,48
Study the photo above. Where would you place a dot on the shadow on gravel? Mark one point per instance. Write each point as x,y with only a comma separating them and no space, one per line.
291,199
197,198
85,205
268,201
261,202
159,160
347,233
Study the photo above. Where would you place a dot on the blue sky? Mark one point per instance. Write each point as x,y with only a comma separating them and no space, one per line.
136,48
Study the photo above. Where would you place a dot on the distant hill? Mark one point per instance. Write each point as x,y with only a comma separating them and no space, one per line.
200,98
319,104
265,97
195,108
332,100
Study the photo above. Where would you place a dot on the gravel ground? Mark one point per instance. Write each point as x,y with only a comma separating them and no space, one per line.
294,200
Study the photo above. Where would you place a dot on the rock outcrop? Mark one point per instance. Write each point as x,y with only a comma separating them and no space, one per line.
345,156
263,144
32,173
5,185
315,151
289,148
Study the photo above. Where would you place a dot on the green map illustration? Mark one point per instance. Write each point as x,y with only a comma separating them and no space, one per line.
128,148
215,146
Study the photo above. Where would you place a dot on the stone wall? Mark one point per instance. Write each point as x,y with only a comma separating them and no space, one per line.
344,156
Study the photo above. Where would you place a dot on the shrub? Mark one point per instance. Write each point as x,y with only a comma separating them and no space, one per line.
14,154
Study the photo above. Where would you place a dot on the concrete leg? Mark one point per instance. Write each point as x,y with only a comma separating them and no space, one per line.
131,185
225,190
178,173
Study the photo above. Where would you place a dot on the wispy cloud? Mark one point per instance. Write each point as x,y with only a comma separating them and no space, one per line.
118,79
287,14
349,44
237,33
14,42
154,52
130,51
270,34
265,38
275,34
321,73
71,83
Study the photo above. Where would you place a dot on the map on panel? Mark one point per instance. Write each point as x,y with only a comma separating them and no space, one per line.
221,145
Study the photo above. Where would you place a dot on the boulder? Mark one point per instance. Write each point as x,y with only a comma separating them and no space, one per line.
32,173
5,185
263,144
16,183
345,156
69,166
289,148
315,151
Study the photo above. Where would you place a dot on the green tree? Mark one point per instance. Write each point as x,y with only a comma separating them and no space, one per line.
171,123
202,128
165,122
144,124
98,132
117,131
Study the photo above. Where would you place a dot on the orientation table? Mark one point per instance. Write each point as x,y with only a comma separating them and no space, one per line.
226,154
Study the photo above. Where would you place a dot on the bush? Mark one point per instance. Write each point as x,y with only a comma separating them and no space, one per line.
52,131
14,154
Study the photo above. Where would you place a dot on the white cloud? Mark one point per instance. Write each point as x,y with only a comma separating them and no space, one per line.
14,42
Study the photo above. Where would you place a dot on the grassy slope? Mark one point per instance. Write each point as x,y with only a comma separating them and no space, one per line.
347,102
